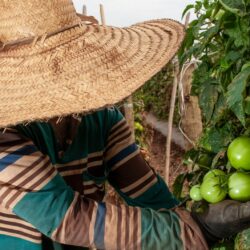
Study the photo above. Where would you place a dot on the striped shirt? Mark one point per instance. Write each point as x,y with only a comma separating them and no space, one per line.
53,199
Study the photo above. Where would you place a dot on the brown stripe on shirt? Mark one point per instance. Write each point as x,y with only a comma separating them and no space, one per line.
136,229
140,189
95,158
125,159
120,144
71,168
119,228
117,126
94,191
79,166
8,215
44,178
10,139
97,171
75,182
126,175
17,232
120,130
127,226
77,219
5,146
118,140
94,185
19,188
98,195
11,223
26,169
10,136
72,163
12,149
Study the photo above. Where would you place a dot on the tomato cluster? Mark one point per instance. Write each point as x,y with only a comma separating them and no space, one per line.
216,184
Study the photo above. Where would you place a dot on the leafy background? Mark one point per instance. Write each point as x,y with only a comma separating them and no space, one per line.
219,38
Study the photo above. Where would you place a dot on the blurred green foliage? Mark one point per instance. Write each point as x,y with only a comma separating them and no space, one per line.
155,95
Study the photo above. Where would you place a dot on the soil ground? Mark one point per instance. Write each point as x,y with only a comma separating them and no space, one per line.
156,155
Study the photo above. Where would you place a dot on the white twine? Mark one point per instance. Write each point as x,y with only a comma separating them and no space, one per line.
182,106
184,68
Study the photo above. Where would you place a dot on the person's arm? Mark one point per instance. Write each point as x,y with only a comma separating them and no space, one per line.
33,190
129,173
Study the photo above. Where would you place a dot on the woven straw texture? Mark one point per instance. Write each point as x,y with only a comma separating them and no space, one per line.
81,69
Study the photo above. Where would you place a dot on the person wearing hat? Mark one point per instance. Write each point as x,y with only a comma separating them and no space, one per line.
61,139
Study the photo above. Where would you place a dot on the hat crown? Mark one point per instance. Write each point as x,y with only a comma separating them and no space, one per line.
26,18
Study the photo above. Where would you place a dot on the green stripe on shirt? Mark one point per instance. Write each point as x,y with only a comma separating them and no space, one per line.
46,208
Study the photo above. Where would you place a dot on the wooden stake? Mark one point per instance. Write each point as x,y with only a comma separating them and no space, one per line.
103,20
170,121
171,113
84,10
187,19
129,114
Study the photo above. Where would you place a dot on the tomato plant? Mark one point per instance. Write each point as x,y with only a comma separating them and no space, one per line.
219,39
239,186
239,153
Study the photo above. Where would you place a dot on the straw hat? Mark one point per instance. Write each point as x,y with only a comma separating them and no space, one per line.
53,64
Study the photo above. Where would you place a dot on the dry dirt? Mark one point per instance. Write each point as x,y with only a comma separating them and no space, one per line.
155,155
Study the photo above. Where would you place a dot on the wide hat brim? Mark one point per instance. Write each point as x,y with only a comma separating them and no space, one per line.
82,69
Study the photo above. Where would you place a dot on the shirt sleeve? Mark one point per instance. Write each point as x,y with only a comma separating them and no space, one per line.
129,173
32,189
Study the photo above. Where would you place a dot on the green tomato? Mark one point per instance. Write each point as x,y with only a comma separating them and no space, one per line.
195,193
239,153
213,173
212,189
205,160
239,186
138,126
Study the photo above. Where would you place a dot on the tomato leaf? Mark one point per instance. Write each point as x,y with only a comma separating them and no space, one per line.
210,33
235,94
178,185
207,98
237,7
247,105
238,31
229,59
219,155
220,109
216,139
188,7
